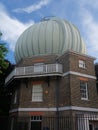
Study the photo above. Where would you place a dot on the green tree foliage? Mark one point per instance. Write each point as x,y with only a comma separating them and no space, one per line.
4,65
5,69
5,91
3,52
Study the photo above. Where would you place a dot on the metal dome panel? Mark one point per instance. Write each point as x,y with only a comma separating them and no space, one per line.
52,36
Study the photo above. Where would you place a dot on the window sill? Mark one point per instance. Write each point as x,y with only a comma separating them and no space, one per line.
83,68
36,101
84,99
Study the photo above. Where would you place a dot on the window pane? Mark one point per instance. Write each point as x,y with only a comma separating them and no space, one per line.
15,96
81,64
37,92
36,118
83,90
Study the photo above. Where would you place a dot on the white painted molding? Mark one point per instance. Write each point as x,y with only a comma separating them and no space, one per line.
54,109
78,108
79,74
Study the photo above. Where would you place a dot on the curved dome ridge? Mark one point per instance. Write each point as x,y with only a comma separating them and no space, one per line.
30,48
70,35
50,36
62,26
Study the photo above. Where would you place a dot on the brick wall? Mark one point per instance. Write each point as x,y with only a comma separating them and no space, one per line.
75,93
37,59
48,94
68,86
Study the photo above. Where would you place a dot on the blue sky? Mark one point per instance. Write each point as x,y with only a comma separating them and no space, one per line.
17,15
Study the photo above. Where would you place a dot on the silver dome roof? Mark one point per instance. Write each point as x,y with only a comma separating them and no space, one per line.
50,36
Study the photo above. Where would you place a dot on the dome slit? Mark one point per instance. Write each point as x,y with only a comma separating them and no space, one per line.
52,37
39,28
28,42
45,35
32,48
33,40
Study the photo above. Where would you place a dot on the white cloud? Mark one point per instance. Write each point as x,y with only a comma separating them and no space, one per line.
33,7
11,27
91,3
90,29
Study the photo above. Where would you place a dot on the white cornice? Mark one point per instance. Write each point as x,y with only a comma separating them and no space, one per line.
79,74
78,108
54,109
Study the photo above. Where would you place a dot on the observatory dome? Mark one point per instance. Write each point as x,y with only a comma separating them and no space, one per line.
49,36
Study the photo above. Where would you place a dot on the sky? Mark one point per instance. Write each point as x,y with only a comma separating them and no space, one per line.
17,15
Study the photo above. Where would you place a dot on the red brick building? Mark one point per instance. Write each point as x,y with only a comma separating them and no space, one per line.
53,76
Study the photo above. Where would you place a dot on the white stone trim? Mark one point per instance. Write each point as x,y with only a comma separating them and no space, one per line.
32,109
79,74
54,109
13,110
40,75
78,108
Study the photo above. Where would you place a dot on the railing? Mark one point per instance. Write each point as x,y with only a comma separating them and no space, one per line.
57,123
35,70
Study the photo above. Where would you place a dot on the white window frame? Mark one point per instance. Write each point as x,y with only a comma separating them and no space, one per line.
36,118
37,93
84,88
15,97
82,64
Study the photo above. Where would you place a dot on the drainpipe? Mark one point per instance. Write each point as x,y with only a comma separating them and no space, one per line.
57,102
